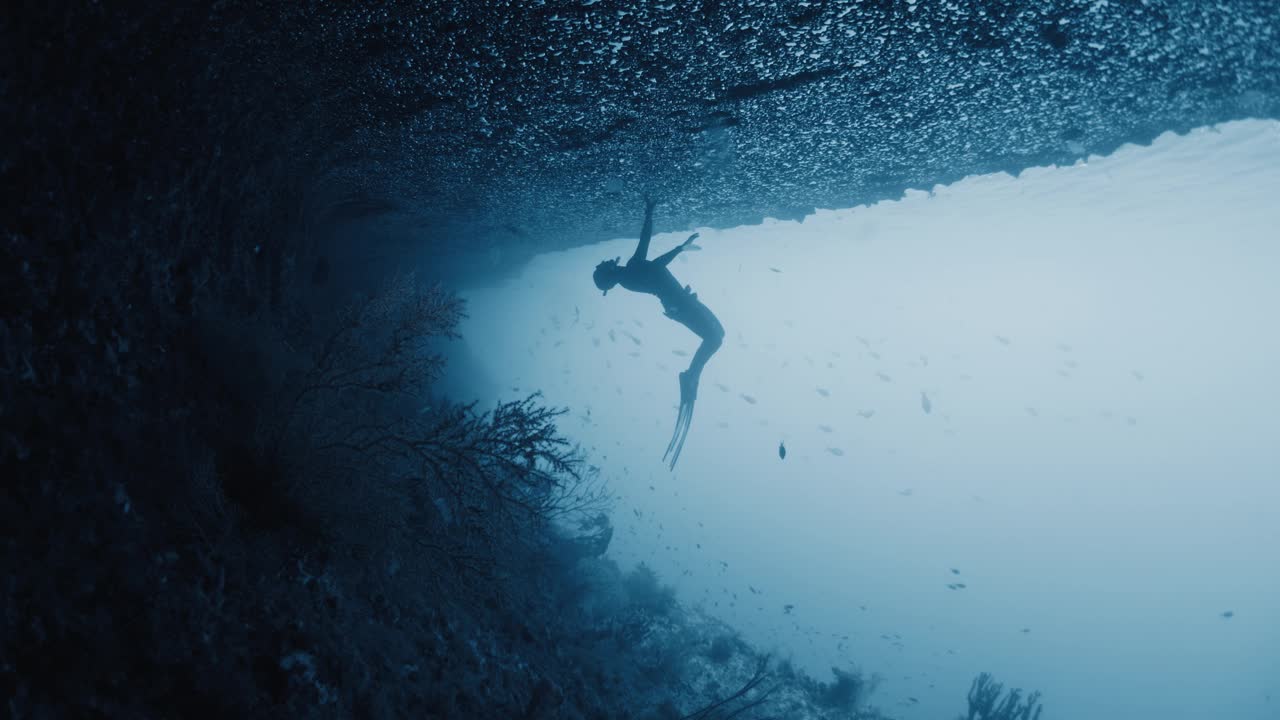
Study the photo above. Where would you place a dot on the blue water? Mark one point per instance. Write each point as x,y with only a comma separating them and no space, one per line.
1099,465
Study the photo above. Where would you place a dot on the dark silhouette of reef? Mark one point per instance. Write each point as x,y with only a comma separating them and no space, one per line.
232,487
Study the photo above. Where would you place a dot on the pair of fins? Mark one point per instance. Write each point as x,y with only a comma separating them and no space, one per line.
684,418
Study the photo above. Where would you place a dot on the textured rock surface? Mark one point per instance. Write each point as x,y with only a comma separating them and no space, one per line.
534,125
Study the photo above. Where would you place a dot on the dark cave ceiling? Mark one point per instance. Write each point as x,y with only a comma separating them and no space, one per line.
530,126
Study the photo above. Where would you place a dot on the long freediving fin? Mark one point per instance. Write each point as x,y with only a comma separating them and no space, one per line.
684,418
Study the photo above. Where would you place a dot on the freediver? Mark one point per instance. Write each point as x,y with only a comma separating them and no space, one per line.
678,303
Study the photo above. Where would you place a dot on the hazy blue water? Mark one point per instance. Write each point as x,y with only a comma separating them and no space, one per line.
1108,479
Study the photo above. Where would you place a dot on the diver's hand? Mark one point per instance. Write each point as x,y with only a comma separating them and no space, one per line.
689,242
649,201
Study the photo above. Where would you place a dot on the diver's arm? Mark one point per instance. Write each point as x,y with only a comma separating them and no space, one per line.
642,250
671,254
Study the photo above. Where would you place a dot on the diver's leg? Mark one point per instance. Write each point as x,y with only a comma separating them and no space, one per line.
698,318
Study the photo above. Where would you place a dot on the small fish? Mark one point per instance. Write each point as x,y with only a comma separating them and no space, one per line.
1228,614
883,377
1002,339
875,355
1064,347
612,337
634,339
825,428
1032,411
925,404
906,493
786,609
723,387
782,451
775,269
955,571
748,398
824,392
1138,376
1024,631
836,451
679,353
866,414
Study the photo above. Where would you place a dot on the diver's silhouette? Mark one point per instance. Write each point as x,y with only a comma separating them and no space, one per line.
679,303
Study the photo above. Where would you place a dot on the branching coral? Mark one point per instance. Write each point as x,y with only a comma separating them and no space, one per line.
985,702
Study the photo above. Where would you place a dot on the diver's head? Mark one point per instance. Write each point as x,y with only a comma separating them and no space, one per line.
606,275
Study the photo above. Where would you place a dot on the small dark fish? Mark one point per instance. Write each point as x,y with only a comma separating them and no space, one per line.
1024,631
1064,347
786,609
679,353
836,451
925,404
748,398
883,377
1032,412
1002,339
912,700
612,337
1131,420
1138,376
1229,614
906,493
824,392
723,387
955,571
825,428
782,451
775,269
875,355
634,339
866,413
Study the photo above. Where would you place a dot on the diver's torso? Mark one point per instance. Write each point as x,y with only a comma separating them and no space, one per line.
645,276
